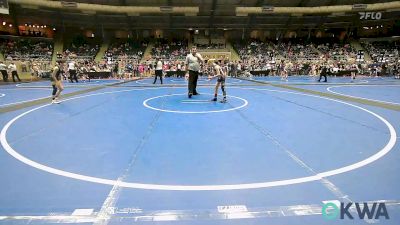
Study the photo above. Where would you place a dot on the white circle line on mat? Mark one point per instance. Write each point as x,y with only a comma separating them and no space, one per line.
352,96
145,103
308,83
382,152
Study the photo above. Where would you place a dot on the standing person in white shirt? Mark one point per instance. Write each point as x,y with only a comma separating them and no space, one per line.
3,71
268,68
72,72
192,65
14,72
285,67
178,70
158,71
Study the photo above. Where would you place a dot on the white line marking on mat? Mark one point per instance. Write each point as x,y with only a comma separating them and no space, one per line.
82,212
352,96
381,153
145,103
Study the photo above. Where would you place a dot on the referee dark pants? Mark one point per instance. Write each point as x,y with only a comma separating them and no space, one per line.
193,77
322,75
15,74
158,74
5,75
72,76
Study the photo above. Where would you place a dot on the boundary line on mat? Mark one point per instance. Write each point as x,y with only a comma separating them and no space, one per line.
25,104
365,82
353,96
183,85
19,89
381,153
333,96
335,190
104,216
80,84
307,83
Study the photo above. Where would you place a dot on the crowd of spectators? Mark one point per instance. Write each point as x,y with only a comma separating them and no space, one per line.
297,49
383,51
211,46
126,57
33,54
126,50
81,48
170,50
305,58
119,69
301,50
302,57
335,50
255,53
26,49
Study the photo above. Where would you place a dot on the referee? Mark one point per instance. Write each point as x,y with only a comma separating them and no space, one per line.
14,72
72,72
158,71
192,65
324,72
3,71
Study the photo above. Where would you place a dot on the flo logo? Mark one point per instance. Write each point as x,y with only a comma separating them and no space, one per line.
370,15
352,210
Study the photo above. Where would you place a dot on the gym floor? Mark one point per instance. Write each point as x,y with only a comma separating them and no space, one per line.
116,152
